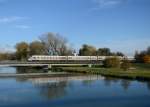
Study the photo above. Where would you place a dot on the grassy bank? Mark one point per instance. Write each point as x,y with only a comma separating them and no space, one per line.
141,71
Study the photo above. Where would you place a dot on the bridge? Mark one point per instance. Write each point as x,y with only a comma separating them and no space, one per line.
50,61
48,64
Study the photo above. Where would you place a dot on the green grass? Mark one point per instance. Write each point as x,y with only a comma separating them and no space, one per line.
142,66
141,71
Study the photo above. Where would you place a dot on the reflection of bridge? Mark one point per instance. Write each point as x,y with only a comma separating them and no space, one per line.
66,78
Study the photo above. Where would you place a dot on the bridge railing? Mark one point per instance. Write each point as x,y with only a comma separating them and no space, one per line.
50,62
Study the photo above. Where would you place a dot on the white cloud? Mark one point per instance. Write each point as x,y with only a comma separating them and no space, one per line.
23,26
106,3
6,48
11,19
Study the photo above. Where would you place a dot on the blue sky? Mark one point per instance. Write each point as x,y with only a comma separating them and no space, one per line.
122,25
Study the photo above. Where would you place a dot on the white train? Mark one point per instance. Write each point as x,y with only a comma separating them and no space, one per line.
71,58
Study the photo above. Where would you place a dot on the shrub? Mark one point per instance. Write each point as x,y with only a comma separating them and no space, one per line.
125,65
113,62
146,59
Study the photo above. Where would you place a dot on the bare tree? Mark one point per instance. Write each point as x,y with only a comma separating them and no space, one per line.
55,44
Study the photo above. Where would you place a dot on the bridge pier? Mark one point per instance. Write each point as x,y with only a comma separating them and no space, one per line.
90,65
49,66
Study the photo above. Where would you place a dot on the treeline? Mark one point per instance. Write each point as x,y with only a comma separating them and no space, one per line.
47,44
7,56
143,56
55,44
52,44
88,50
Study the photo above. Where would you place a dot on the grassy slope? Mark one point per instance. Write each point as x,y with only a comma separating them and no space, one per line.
142,71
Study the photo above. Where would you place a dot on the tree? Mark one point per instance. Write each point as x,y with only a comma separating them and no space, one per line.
22,51
113,62
103,52
146,59
87,50
120,54
55,44
125,65
148,50
37,48
139,56
7,56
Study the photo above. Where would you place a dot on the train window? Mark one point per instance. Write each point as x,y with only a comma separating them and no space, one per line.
33,57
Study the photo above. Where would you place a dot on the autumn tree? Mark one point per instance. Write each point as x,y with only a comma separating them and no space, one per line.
146,59
142,56
37,48
22,51
112,62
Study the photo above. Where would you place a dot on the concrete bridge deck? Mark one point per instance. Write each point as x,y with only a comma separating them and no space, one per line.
49,63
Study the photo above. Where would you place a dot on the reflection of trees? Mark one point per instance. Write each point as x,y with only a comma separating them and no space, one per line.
109,80
125,84
21,79
29,70
115,80
52,90
88,82
148,85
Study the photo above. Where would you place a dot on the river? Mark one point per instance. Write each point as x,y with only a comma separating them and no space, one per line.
73,91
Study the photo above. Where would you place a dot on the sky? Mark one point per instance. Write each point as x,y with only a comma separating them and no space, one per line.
121,25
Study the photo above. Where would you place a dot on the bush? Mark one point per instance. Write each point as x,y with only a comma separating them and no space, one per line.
146,59
125,65
113,62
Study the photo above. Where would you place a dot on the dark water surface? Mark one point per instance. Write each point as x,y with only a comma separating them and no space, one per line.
73,91
18,70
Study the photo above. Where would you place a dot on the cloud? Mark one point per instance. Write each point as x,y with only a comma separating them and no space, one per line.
11,19
23,26
106,3
6,48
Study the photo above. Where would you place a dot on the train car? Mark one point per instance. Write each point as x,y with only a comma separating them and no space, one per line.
47,58
72,58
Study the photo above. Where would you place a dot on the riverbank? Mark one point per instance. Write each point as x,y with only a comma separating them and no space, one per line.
140,71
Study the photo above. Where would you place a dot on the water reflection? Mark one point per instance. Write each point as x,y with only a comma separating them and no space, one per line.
55,87
125,84
87,80
83,91
65,78
29,70
148,85
7,70
22,70
109,80
52,90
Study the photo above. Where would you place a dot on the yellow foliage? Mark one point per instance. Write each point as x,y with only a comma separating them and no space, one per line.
146,59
